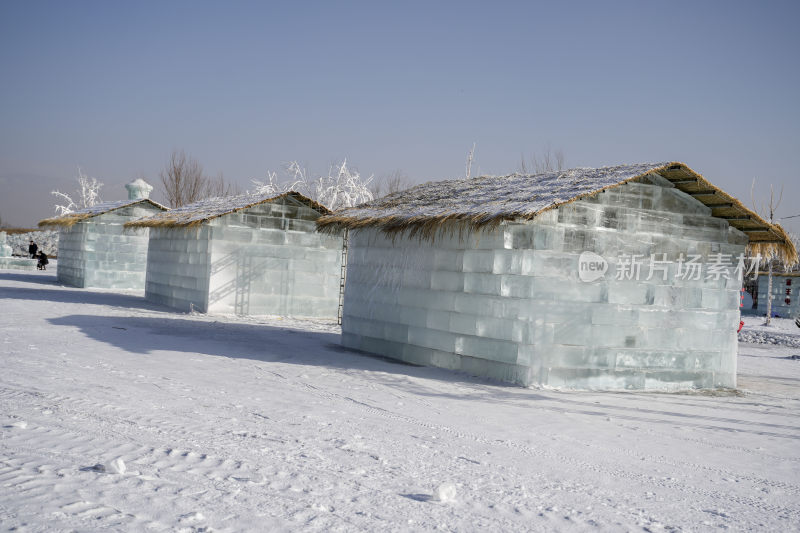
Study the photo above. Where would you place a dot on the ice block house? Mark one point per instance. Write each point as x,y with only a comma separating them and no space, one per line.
572,279
785,294
246,255
94,250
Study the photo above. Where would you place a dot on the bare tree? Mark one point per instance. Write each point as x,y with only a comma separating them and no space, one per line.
550,161
183,181
219,187
768,208
391,183
470,158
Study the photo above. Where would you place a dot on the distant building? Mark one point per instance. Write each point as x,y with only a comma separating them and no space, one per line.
785,294
575,278
93,249
247,255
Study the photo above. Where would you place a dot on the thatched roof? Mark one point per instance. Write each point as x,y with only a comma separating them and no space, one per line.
487,201
96,210
200,212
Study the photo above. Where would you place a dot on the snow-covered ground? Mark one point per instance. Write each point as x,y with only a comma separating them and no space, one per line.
781,331
778,325
229,424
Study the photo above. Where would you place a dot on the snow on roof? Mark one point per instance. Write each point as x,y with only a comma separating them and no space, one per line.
205,210
98,209
487,201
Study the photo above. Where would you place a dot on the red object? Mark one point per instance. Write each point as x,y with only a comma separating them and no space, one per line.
741,325
788,301
788,292
788,282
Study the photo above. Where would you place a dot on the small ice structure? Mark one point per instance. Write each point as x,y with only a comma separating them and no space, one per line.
94,248
138,189
785,293
5,249
253,254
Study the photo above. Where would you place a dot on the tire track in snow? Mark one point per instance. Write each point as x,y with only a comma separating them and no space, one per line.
166,476
166,469
660,459
663,460
45,485
162,475
78,449
111,415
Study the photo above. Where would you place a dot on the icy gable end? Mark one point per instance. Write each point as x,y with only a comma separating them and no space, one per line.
509,303
250,255
95,250
270,260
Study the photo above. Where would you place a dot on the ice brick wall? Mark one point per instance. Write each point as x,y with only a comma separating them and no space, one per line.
18,263
99,252
71,267
269,260
508,304
178,267
783,288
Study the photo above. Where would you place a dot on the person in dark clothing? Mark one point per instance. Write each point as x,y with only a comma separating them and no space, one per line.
42,265
32,249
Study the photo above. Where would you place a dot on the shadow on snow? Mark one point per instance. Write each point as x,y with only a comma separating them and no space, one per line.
267,343
63,294
39,279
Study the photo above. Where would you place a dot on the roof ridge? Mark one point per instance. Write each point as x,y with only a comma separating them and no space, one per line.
100,208
208,209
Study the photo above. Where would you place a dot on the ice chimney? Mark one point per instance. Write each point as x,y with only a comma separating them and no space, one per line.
138,189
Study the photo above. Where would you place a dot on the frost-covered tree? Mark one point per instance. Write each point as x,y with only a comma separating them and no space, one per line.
87,195
342,187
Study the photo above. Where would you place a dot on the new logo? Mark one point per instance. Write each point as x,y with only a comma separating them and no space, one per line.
591,267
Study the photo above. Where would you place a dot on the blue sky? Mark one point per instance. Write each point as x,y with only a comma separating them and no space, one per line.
244,87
